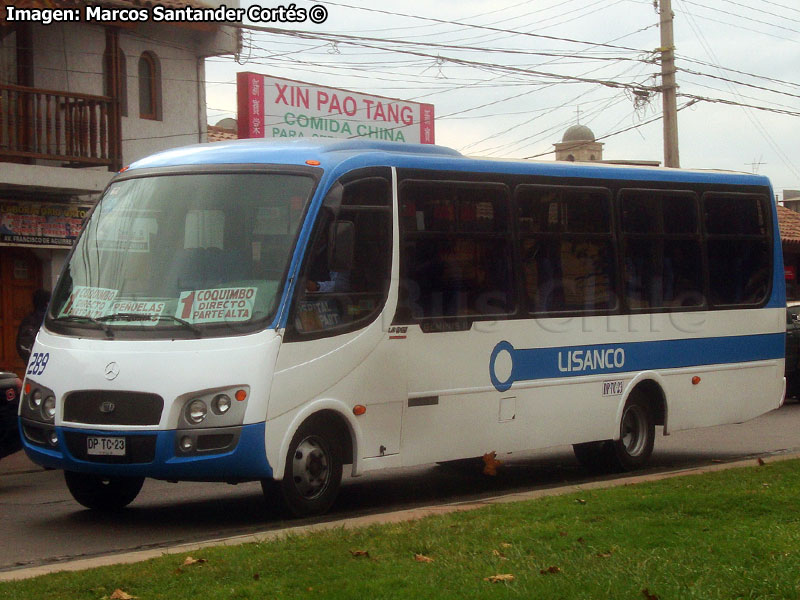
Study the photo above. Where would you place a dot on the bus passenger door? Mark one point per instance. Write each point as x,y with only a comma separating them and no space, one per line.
337,350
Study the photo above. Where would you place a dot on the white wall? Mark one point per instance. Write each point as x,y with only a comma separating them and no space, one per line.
70,58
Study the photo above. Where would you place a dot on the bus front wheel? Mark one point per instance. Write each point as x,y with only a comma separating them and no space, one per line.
313,472
103,493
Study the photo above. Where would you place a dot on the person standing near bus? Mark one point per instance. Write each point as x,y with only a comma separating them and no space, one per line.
29,327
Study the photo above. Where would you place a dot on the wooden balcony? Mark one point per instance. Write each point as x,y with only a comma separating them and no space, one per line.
77,130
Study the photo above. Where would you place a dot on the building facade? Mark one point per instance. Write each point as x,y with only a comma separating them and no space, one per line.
77,102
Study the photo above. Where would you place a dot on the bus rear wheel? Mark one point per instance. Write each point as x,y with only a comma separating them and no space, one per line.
633,448
313,472
103,493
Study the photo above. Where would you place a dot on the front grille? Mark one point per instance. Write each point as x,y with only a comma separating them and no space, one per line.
104,407
138,449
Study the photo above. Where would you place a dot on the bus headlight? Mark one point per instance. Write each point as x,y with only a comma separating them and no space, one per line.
221,404
35,399
196,411
49,408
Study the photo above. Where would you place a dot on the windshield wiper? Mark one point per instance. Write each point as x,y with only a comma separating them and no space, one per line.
87,319
128,316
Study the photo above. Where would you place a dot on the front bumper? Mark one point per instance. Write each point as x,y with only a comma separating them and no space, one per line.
152,454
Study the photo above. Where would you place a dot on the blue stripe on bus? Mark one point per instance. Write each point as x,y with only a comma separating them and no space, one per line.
528,364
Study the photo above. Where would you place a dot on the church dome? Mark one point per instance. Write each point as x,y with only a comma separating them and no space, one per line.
578,133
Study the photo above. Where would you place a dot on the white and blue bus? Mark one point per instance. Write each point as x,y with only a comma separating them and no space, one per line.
273,311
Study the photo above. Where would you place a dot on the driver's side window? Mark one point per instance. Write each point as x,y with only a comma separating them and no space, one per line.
347,267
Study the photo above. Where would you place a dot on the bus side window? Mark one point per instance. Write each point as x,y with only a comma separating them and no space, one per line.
738,242
455,250
334,299
567,253
662,256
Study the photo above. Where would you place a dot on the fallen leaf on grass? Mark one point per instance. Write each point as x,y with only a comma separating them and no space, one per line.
646,593
505,545
120,595
562,533
357,553
580,501
499,554
761,462
256,576
499,578
604,554
580,540
491,463
550,571
422,558
193,561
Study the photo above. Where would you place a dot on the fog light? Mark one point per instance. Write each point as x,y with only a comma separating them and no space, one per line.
35,399
221,404
49,408
196,411
53,438
187,444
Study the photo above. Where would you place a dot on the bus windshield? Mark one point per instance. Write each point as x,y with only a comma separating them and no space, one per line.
204,254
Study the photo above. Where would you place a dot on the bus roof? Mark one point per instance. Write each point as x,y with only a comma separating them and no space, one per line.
344,154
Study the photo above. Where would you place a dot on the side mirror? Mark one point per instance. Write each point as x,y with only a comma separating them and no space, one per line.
341,245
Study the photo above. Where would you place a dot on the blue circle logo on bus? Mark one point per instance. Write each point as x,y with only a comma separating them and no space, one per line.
501,366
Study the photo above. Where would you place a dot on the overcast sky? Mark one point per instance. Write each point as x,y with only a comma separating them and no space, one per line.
522,96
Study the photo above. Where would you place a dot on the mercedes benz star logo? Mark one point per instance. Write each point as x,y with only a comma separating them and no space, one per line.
112,370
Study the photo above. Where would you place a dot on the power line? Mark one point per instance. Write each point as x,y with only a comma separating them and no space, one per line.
484,27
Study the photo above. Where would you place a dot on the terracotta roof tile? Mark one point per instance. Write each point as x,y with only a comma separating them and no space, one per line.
219,134
789,224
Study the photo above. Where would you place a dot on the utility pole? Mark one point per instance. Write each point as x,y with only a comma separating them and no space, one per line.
668,86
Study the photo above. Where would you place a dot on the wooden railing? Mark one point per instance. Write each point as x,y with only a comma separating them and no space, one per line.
75,129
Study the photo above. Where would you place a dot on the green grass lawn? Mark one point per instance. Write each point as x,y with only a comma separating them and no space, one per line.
728,534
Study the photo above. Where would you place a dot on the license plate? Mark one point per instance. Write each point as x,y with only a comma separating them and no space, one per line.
105,446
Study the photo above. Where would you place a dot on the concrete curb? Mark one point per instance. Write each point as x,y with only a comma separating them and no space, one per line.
367,520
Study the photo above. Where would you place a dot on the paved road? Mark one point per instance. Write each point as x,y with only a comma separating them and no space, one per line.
40,523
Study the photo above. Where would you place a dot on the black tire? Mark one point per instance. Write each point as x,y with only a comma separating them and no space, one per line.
103,493
637,435
313,472
633,448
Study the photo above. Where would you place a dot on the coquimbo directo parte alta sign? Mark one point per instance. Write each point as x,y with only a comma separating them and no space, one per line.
270,107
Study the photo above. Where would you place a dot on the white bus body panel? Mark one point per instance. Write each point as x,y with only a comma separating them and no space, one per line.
173,369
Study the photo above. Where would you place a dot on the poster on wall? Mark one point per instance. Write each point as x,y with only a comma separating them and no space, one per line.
40,224
270,107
